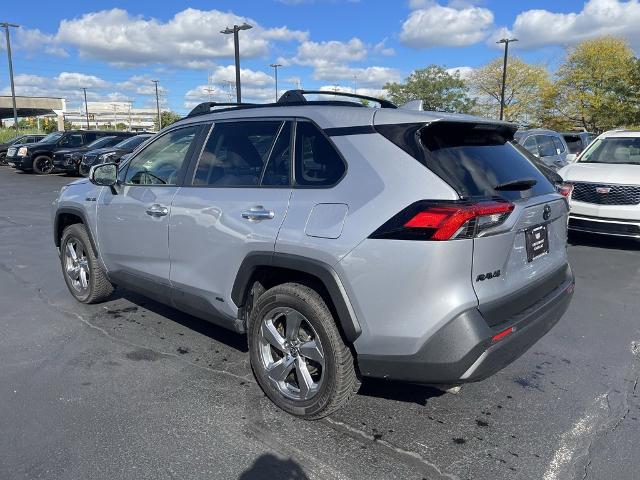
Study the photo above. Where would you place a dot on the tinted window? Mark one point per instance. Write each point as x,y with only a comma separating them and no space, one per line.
317,162
236,153
102,142
472,158
72,140
278,171
558,144
613,150
531,145
546,148
133,142
163,160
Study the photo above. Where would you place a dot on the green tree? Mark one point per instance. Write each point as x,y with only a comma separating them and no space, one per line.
168,117
525,90
438,90
598,84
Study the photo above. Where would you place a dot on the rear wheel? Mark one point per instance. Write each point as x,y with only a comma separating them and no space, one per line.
297,353
82,272
42,165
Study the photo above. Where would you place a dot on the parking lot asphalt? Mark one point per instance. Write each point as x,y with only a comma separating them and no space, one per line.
132,389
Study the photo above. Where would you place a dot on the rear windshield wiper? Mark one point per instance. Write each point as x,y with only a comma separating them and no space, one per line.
517,185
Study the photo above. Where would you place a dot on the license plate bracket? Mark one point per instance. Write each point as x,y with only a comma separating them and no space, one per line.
537,242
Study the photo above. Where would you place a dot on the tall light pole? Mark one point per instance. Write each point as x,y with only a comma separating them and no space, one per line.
13,88
275,71
158,106
86,108
506,42
236,45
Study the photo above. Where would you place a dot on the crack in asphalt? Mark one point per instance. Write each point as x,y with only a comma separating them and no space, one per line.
404,455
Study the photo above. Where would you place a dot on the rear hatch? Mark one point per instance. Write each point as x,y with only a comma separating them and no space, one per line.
519,254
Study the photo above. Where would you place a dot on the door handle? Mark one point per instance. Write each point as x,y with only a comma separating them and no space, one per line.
156,210
258,213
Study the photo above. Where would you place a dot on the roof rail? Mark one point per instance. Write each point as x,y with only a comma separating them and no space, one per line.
298,97
206,107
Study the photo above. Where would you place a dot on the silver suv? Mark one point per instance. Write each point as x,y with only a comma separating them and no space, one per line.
346,241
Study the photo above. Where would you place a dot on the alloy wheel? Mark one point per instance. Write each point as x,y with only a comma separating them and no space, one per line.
291,353
76,265
45,165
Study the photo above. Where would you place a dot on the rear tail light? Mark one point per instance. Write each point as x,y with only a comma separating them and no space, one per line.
564,189
444,220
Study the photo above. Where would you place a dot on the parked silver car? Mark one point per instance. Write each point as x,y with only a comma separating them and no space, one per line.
346,241
549,146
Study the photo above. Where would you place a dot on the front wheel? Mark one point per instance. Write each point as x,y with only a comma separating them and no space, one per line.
42,165
297,354
82,272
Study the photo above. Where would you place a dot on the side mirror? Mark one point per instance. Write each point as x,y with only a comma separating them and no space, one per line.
105,175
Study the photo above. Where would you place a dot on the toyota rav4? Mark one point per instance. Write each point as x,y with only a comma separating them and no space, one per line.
345,241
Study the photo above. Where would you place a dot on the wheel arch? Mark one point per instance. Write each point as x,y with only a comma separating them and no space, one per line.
66,216
277,268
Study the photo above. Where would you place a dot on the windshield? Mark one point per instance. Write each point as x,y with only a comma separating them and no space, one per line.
52,137
612,150
133,142
100,142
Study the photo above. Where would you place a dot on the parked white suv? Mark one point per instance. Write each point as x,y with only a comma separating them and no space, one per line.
606,186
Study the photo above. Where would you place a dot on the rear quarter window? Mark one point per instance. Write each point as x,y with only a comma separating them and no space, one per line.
472,158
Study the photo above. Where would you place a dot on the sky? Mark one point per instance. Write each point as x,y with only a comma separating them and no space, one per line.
115,49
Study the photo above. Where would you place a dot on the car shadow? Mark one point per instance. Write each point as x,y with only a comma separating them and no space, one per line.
399,391
603,241
203,327
268,467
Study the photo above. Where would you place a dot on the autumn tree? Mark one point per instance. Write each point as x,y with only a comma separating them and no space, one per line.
598,85
525,89
438,89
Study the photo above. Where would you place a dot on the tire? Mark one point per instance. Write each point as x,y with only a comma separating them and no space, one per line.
3,159
328,366
85,278
43,165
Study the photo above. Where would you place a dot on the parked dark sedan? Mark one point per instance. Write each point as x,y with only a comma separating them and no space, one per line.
69,159
19,140
111,154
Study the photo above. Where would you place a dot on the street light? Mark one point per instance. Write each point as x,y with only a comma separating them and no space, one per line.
158,105
275,69
236,45
86,107
506,42
6,27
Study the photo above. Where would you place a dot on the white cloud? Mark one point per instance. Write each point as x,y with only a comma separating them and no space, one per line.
538,28
318,54
381,49
65,85
256,87
463,72
436,25
365,77
191,38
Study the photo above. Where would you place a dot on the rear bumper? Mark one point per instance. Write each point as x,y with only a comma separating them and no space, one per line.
604,226
463,350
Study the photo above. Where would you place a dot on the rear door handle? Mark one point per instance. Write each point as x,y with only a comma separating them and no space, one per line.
258,213
156,210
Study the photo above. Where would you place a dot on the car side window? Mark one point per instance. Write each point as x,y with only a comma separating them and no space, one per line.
163,160
72,140
531,145
236,153
558,144
546,146
317,161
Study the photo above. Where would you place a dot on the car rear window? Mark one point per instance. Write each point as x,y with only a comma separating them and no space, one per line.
473,158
